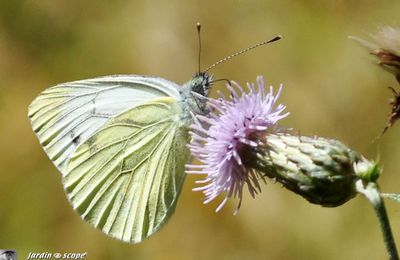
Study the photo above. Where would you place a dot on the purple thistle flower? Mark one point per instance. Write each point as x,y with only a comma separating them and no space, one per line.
219,140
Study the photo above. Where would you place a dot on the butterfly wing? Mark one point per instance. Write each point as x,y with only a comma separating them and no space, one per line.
126,178
66,115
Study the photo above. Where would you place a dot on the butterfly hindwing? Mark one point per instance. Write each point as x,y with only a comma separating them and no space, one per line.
126,178
66,115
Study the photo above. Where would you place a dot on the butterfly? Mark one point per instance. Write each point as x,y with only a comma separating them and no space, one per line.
120,145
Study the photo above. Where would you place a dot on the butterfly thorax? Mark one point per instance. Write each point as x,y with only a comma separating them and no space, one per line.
194,95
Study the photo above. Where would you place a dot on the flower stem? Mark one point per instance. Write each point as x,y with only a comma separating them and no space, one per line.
371,191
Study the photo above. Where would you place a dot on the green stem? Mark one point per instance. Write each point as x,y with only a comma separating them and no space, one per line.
371,191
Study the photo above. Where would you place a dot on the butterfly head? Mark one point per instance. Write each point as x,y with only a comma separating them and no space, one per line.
201,83
194,94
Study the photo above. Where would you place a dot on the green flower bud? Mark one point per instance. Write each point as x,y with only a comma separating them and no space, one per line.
323,171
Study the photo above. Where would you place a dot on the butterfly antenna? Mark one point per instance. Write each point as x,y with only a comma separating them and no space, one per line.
276,38
198,25
226,80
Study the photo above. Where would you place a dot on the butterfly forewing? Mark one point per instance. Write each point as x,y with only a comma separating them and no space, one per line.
66,115
126,178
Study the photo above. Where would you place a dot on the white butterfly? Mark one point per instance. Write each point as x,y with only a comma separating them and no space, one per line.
120,145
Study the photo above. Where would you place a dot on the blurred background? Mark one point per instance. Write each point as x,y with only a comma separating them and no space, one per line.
331,87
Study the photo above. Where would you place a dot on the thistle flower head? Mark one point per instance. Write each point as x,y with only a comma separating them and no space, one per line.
388,38
385,45
221,138
237,145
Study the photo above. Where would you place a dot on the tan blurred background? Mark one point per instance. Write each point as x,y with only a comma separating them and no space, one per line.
331,88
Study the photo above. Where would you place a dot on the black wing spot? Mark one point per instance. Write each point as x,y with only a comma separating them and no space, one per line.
76,139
